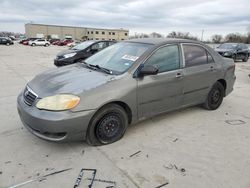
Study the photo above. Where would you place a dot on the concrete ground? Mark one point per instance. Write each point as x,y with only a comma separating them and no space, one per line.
188,148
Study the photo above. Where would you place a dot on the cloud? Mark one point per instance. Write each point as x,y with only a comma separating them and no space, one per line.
162,16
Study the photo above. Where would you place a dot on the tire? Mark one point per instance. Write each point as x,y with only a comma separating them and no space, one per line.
7,44
215,97
33,44
107,126
245,58
46,45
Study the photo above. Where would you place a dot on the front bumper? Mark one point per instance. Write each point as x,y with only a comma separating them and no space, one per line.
54,126
63,62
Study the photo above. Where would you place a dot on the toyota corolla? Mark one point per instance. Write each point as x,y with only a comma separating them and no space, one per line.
98,98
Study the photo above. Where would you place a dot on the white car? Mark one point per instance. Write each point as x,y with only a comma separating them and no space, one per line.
39,42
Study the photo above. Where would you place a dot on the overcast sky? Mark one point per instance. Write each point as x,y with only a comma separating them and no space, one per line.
163,16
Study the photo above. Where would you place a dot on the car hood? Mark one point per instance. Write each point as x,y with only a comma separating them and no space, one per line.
223,50
67,52
73,79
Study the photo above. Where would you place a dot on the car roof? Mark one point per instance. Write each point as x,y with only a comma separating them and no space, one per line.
157,41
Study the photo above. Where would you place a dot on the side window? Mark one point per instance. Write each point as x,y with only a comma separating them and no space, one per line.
194,55
165,59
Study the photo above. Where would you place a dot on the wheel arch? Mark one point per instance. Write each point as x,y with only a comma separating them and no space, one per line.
124,105
223,82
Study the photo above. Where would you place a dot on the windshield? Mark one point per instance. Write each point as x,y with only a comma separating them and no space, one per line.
119,57
228,46
82,45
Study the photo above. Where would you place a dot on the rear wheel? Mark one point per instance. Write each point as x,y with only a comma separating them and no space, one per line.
215,97
245,58
46,45
107,126
7,44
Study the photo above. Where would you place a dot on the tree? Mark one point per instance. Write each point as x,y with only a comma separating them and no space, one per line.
216,38
156,35
181,35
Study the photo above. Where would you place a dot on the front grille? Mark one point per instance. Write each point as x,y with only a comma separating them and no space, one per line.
29,96
59,57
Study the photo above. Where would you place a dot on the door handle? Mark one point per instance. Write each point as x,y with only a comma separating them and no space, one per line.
212,68
179,75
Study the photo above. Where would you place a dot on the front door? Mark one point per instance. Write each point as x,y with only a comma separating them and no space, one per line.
162,92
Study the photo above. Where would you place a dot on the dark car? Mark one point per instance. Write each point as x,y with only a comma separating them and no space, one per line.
80,52
236,51
123,84
6,41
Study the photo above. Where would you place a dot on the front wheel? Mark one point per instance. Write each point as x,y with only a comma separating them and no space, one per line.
33,44
46,45
7,44
245,58
215,97
107,126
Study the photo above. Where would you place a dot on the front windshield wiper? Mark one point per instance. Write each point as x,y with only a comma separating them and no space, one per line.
98,67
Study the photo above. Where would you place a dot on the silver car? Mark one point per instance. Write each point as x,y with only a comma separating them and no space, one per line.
132,80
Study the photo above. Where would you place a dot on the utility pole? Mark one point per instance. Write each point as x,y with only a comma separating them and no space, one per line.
202,32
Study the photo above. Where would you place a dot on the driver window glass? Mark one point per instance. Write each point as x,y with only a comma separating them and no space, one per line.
165,59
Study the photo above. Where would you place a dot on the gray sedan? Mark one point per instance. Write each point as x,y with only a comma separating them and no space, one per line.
98,98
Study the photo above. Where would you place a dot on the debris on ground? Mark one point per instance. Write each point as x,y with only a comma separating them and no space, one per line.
162,185
7,162
79,178
175,140
104,181
41,178
173,166
83,152
1,172
135,153
235,122
82,176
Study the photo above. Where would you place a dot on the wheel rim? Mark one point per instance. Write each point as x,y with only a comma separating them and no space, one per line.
109,128
215,96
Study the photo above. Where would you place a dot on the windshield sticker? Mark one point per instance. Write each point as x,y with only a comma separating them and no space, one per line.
127,64
130,57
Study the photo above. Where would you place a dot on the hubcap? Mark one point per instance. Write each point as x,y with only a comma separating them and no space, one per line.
109,128
215,96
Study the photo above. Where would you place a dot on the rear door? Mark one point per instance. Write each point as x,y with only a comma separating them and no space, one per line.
40,42
161,92
200,73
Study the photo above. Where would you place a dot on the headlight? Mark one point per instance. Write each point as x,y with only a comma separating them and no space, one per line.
227,53
58,102
69,55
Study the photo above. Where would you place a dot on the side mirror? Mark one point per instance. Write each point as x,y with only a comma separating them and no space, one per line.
148,70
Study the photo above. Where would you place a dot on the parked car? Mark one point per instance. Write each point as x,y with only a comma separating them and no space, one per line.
80,52
26,41
39,42
127,82
54,41
65,42
236,51
72,44
6,41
